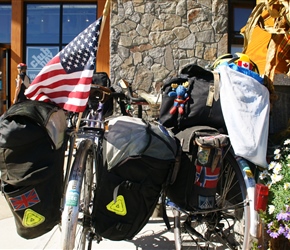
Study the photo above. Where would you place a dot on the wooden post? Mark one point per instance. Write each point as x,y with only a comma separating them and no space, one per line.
103,58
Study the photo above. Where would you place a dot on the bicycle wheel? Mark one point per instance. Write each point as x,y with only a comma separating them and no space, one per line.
226,226
76,216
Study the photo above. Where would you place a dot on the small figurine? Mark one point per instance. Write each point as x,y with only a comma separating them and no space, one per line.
180,92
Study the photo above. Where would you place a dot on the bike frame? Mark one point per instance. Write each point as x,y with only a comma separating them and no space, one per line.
89,138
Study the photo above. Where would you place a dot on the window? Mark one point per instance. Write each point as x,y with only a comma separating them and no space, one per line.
50,27
75,20
239,12
5,20
42,24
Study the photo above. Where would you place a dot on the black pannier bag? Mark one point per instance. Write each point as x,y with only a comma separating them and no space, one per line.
140,159
201,159
191,100
32,145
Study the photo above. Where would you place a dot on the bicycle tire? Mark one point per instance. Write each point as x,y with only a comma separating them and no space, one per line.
226,227
76,216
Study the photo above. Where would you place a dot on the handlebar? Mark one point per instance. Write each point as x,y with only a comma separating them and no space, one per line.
99,95
104,93
128,88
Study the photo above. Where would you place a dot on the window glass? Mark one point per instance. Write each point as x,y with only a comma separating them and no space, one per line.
236,48
5,20
241,16
75,19
238,12
43,23
50,27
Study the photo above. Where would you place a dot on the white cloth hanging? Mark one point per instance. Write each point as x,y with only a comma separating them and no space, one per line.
245,105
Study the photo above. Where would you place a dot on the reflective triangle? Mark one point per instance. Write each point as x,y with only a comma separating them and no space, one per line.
118,207
32,218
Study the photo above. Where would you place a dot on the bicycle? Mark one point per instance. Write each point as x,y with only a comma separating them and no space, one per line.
81,177
231,222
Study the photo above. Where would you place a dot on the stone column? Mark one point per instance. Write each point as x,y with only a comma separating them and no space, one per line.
151,41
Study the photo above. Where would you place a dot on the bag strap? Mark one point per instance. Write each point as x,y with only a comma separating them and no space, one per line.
164,214
214,89
216,81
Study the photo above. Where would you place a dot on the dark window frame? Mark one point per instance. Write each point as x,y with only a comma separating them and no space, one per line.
60,43
234,37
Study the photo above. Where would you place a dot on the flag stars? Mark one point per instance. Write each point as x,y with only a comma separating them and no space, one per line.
81,53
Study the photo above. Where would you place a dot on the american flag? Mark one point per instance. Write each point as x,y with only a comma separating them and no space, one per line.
66,78
205,177
25,200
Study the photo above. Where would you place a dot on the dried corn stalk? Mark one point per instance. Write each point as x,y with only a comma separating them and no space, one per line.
277,14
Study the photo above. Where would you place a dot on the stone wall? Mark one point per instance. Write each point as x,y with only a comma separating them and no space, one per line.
151,40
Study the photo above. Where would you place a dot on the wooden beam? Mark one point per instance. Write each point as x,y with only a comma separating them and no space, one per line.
16,41
103,59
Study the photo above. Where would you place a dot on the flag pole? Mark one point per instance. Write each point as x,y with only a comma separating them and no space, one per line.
106,12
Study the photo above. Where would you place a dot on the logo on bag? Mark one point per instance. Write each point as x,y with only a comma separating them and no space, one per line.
206,202
118,207
23,201
205,177
203,155
32,218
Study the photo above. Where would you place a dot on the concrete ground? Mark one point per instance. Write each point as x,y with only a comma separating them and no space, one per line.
153,236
